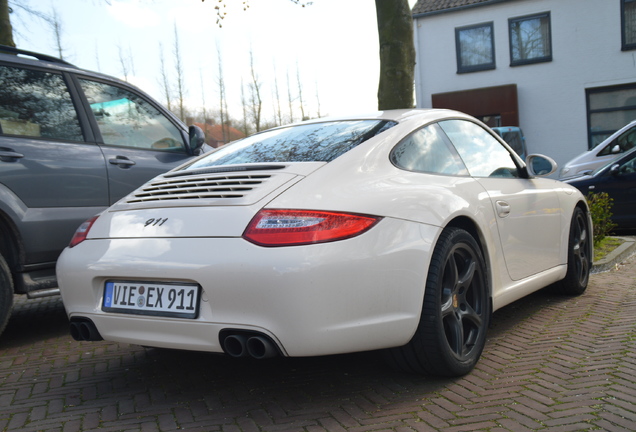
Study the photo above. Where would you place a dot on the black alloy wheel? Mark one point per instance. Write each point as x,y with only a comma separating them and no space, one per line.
452,331
462,300
579,256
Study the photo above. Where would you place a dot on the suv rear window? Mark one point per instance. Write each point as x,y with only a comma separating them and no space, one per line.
317,142
36,104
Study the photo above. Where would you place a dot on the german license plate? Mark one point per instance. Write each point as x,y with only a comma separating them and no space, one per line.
152,298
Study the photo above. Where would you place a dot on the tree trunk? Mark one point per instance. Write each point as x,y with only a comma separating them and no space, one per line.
6,31
397,54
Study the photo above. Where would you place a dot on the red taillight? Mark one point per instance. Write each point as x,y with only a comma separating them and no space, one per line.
298,227
82,232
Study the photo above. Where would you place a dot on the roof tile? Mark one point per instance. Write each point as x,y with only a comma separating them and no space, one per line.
429,6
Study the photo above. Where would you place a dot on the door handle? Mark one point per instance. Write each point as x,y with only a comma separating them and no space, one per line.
8,155
121,161
503,209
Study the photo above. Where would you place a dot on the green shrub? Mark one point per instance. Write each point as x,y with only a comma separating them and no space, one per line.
601,210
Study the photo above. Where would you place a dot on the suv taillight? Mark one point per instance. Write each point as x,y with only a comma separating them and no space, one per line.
82,232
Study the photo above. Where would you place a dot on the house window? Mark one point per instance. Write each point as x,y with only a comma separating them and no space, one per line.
530,39
608,110
628,24
475,48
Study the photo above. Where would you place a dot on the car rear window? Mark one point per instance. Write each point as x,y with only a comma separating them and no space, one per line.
316,142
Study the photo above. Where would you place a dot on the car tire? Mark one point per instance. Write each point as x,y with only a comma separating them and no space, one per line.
6,294
579,256
456,311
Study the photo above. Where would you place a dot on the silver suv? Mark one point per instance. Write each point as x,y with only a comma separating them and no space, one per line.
72,142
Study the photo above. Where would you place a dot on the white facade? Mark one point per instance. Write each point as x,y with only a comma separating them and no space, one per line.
552,103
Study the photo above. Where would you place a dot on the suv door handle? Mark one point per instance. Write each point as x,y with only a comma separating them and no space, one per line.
122,161
8,155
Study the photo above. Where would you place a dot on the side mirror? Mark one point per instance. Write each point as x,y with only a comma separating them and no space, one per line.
197,139
616,149
614,169
540,165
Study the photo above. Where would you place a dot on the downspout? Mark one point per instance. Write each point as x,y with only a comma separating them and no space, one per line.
419,90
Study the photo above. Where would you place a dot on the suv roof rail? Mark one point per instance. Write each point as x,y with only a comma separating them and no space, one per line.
44,57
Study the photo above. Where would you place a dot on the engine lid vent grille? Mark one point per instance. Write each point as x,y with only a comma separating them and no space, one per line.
199,187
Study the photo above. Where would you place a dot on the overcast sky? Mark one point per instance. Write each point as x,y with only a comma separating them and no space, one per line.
331,44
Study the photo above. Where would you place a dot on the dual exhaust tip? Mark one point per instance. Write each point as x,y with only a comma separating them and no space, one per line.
240,345
83,329
235,344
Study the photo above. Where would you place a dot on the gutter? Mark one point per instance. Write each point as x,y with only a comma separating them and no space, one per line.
458,8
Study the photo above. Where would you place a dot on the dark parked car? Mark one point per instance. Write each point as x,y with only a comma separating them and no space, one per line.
72,142
618,179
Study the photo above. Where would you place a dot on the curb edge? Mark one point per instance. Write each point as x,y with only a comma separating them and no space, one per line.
618,255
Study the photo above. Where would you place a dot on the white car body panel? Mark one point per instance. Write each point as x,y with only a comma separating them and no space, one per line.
247,295
362,293
530,222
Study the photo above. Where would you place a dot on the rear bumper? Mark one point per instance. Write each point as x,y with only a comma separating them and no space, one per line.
358,294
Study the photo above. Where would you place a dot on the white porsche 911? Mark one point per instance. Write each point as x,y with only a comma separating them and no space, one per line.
403,230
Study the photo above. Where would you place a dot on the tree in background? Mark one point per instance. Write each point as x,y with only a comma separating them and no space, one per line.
278,114
303,116
397,54
255,100
290,100
179,72
56,25
165,82
123,62
318,101
6,31
203,105
222,97
245,126
397,51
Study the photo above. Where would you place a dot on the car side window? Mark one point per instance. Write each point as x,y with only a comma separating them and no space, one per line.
626,141
628,167
37,104
483,155
126,120
427,150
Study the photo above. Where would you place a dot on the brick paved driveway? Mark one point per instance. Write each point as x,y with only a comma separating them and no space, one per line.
551,363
